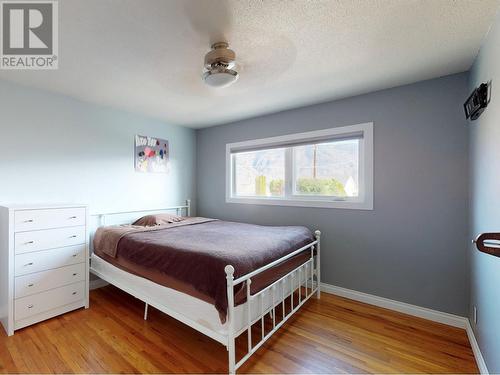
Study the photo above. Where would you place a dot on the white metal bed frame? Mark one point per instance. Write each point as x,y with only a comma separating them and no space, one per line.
301,283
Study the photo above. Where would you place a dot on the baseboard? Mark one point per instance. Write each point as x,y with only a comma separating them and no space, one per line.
97,283
405,308
475,349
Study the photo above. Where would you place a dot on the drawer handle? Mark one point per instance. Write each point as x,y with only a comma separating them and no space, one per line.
28,264
75,255
28,221
30,306
75,274
73,217
74,293
30,285
73,236
29,242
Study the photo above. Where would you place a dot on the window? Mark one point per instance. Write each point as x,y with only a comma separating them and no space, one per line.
325,168
329,169
259,173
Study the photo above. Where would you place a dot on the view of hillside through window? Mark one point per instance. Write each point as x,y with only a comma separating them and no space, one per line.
325,169
260,173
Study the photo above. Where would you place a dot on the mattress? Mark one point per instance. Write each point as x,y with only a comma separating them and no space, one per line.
191,258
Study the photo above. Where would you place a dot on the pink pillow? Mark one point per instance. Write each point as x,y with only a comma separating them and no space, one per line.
158,219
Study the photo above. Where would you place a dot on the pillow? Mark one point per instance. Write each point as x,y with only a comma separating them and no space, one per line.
158,219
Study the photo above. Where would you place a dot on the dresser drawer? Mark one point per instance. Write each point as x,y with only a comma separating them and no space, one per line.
46,219
48,259
41,281
26,242
51,299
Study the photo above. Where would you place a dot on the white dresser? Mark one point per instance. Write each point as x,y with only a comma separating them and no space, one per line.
44,267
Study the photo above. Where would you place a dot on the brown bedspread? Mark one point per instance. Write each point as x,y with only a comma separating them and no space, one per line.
191,258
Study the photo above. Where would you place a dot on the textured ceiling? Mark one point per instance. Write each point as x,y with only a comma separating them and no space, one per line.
146,56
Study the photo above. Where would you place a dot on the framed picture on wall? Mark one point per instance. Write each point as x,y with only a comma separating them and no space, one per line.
151,154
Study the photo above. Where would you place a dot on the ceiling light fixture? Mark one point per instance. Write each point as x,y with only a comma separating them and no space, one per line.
219,64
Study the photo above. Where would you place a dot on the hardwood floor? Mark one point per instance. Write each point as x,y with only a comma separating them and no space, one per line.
331,335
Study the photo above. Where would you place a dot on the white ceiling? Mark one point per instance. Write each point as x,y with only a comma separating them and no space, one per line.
146,56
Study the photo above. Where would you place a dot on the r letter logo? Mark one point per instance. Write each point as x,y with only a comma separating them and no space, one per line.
29,37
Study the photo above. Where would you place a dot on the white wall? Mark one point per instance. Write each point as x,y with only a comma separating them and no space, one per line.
57,149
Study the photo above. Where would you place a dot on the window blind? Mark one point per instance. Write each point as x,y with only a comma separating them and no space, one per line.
296,142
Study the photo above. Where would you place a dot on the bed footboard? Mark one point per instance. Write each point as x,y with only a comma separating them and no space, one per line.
286,294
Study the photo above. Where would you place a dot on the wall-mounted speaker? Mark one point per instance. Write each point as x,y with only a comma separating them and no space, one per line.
477,101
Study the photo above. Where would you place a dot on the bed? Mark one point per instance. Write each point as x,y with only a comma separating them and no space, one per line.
220,278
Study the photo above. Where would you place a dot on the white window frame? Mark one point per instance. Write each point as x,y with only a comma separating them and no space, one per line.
364,200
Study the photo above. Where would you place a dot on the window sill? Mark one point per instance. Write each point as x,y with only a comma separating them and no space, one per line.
342,204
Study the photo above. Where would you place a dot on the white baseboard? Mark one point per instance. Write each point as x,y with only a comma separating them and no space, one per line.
97,283
421,312
475,348
405,308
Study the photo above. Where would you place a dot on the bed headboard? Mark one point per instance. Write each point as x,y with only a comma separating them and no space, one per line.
128,217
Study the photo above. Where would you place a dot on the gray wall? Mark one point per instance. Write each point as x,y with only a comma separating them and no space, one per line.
485,201
412,247
57,149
